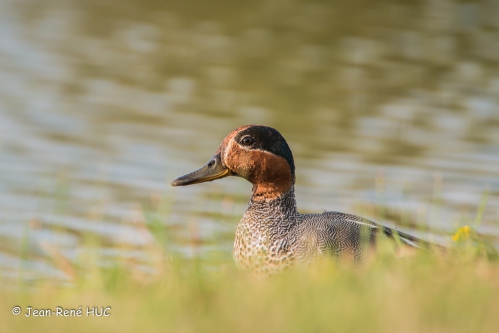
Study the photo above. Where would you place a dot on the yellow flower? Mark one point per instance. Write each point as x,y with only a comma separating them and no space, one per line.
462,234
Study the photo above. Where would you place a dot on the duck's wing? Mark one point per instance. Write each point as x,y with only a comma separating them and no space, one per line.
392,233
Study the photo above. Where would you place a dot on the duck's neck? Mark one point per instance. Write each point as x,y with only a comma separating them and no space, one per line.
273,212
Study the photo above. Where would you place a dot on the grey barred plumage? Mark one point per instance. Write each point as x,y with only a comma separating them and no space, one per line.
272,234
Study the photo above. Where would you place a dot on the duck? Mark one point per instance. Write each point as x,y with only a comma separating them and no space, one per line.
272,235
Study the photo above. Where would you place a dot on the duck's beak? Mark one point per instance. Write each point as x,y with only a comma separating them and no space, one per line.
211,171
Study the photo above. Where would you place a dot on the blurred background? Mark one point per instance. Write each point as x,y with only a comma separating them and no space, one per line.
391,109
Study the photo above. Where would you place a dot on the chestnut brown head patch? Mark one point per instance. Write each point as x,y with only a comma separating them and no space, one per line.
260,155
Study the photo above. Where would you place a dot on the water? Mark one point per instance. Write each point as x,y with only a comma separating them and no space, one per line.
392,112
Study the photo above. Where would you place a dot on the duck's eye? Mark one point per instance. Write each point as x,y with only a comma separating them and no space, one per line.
247,140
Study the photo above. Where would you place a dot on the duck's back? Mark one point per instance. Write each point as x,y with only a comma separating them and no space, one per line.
343,235
334,233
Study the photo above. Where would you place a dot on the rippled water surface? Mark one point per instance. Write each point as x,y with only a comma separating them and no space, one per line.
392,112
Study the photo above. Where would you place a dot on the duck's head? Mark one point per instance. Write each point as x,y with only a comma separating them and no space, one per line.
256,153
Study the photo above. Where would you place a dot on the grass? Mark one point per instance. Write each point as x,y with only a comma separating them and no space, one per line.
165,292
421,293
